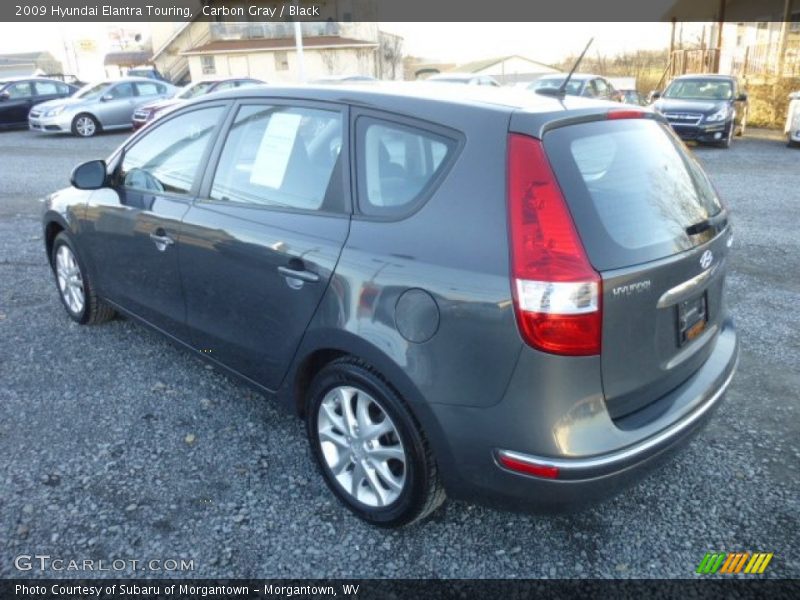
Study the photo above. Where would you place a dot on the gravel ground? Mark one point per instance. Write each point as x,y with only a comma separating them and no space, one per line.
117,445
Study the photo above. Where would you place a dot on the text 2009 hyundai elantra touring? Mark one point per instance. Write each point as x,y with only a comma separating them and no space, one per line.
497,296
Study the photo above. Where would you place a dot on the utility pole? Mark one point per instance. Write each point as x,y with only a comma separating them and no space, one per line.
720,24
298,43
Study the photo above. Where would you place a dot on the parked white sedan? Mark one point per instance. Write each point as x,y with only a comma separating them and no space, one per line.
792,127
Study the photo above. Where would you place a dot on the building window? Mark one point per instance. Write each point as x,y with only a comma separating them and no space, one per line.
208,64
794,25
281,61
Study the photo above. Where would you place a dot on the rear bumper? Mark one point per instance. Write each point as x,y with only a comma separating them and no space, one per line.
595,456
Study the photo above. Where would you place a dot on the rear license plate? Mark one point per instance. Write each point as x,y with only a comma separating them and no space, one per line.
692,318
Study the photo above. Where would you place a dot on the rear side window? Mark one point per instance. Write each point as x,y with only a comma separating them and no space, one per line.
123,90
147,89
632,190
397,165
282,157
48,88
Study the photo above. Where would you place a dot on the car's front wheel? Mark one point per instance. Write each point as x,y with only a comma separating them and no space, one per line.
74,286
726,141
742,126
85,125
369,447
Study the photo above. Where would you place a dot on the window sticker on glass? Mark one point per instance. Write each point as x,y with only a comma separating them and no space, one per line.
275,149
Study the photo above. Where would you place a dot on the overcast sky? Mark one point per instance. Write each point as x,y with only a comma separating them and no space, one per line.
448,42
545,42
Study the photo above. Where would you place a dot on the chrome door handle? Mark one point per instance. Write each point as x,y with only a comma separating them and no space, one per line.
162,242
302,275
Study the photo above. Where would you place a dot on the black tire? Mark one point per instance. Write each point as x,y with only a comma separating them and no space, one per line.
80,131
726,141
94,310
422,491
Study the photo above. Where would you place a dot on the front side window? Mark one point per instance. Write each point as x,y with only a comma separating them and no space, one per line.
167,159
554,83
282,157
396,164
225,85
91,92
123,90
20,90
195,89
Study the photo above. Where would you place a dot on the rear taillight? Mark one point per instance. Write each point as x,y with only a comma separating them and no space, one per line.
626,113
556,291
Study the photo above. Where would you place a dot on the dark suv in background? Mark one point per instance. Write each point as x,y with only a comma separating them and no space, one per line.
704,108
494,294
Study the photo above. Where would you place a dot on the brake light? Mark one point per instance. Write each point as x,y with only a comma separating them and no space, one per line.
556,291
626,113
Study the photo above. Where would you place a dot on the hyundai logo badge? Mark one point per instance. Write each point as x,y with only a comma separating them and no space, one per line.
706,259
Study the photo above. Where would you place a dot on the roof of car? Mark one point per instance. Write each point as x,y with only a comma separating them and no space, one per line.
4,80
380,94
454,76
575,76
706,76
129,79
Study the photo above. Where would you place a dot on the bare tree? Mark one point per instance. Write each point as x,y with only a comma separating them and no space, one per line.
330,58
391,53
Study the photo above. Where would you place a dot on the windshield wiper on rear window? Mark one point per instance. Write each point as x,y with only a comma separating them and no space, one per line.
719,221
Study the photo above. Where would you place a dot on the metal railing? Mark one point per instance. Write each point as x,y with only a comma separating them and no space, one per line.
768,60
696,60
757,60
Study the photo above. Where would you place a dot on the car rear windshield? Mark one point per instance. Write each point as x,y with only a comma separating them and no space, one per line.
634,192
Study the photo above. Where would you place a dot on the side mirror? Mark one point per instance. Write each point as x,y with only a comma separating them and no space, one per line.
741,98
655,95
4,96
89,175
106,98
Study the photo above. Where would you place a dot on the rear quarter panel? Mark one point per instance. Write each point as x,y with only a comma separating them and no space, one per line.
454,248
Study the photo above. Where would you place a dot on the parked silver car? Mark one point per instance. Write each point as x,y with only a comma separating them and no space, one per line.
97,106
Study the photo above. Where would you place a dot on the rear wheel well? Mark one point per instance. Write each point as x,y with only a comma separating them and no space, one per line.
306,372
51,231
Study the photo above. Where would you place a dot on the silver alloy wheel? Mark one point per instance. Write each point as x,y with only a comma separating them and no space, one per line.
85,126
70,281
361,446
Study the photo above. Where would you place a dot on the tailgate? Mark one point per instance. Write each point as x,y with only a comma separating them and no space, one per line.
655,230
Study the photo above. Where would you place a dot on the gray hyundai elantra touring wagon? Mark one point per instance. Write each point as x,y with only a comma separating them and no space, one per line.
489,294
